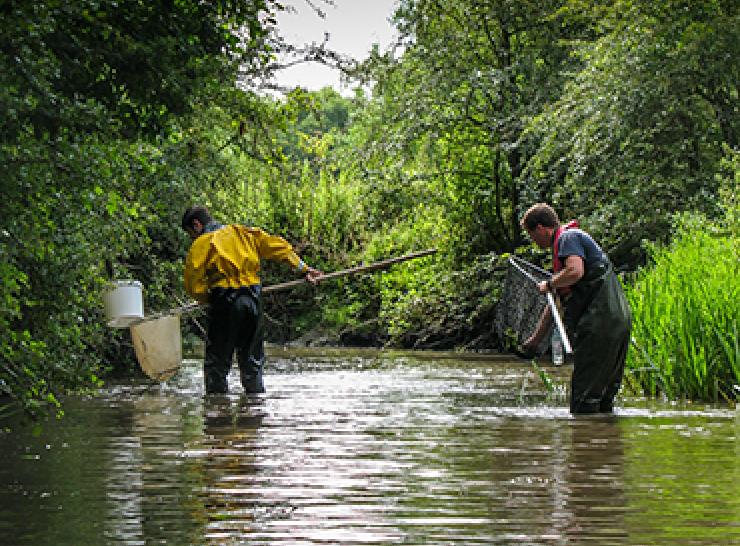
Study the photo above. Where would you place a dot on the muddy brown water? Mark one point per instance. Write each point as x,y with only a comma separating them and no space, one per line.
369,447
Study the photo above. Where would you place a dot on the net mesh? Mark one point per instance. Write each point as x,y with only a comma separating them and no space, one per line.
520,306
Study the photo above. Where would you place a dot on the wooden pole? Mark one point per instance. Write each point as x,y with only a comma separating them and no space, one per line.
351,271
384,264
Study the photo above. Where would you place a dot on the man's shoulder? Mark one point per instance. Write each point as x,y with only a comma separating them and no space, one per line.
574,234
253,231
572,241
578,241
199,249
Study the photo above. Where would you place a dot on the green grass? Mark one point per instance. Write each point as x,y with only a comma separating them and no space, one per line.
686,307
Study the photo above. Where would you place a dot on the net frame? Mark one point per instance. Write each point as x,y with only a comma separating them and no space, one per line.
520,306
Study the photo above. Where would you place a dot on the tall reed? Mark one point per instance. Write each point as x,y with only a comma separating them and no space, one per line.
686,308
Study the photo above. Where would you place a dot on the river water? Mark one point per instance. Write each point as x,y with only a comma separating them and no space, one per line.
368,447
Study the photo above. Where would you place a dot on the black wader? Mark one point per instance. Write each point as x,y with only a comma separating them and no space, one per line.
235,323
599,321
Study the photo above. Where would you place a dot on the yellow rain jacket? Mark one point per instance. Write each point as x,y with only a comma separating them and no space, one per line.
229,257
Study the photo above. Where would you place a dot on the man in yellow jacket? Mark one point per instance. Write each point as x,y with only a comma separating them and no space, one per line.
222,269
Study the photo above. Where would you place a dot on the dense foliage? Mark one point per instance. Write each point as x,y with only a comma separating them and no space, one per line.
97,98
686,308
117,115
616,113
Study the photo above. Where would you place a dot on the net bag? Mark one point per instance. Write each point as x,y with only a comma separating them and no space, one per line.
158,346
520,306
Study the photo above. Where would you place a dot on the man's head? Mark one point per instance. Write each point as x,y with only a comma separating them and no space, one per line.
195,220
540,221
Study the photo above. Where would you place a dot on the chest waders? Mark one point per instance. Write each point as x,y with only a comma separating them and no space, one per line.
235,325
599,320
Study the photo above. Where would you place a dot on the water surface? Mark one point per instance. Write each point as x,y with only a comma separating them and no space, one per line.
367,447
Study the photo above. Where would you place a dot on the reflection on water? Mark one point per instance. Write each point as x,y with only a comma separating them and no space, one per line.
370,448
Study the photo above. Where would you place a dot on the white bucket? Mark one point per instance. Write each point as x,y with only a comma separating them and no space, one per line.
124,303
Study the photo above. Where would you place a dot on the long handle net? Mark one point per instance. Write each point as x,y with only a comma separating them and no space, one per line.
520,306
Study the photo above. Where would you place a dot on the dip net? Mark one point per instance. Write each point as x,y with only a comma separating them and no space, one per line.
520,306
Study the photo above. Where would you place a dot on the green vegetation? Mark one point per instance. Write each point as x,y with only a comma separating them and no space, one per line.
686,307
100,147
120,114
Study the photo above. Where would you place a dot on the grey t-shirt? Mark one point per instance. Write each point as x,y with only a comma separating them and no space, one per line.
576,242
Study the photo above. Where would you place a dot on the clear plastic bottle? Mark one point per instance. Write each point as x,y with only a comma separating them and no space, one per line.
557,348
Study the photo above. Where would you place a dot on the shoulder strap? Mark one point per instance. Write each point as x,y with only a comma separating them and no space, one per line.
557,264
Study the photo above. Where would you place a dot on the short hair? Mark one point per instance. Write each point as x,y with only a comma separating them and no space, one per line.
540,214
195,213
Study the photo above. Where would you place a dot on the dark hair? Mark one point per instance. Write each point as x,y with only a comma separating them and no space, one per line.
195,213
540,214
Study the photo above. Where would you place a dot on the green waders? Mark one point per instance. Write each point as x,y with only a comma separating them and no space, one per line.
599,320
235,325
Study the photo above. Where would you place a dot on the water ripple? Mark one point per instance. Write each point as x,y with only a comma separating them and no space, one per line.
370,448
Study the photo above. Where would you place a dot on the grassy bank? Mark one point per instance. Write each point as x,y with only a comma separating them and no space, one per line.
686,307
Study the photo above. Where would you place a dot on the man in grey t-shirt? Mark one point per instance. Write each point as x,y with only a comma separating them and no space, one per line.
597,314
